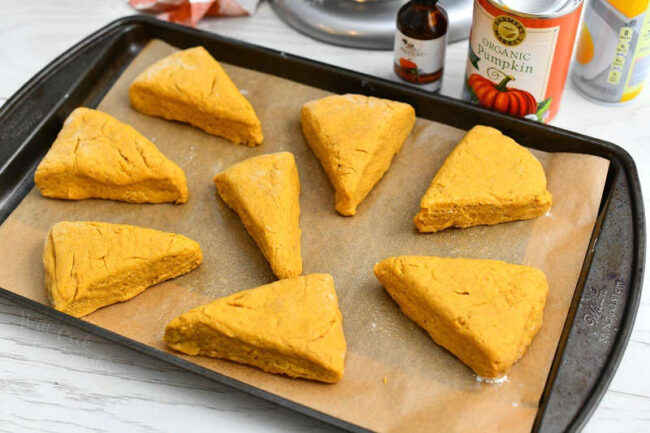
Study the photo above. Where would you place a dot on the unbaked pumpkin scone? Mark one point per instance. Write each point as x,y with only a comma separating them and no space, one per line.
355,138
486,312
487,179
292,327
265,192
191,86
97,156
89,265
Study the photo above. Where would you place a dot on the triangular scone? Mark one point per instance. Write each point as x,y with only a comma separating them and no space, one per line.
190,86
97,156
485,312
355,138
265,193
89,265
487,179
292,327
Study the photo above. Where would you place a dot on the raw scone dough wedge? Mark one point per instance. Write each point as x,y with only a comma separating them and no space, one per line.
292,327
355,138
191,86
487,179
485,312
97,156
89,265
265,193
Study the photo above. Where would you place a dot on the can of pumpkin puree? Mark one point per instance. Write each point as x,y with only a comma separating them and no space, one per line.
519,55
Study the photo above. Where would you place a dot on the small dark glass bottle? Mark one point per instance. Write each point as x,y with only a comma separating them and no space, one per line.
420,42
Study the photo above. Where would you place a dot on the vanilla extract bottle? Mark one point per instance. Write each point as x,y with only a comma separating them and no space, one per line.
420,43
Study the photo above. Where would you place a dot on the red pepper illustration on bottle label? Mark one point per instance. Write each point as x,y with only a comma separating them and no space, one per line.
408,64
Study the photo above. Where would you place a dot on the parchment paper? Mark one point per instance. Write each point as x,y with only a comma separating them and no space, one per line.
396,377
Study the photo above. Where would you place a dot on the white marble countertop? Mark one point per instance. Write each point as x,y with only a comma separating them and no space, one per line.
54,378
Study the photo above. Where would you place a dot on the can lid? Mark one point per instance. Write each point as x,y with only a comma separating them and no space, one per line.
539,8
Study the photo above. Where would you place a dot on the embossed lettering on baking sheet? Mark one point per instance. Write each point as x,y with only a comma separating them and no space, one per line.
601,311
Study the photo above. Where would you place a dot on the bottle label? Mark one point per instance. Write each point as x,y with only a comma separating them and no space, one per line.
420,61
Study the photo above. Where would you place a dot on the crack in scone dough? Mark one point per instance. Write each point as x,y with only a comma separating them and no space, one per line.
97,156
190,86
485,312
291,327
265,193
487,179
89,265
355,138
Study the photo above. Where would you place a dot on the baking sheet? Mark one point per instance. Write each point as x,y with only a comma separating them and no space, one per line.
396,378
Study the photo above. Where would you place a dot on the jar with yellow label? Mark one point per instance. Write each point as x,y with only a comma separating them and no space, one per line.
613,54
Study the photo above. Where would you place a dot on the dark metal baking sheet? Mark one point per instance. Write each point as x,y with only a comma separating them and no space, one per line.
606,299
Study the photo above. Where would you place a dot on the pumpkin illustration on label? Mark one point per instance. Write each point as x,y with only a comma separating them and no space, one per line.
499,96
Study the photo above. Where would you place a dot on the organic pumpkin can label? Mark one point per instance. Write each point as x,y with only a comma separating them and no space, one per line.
519,55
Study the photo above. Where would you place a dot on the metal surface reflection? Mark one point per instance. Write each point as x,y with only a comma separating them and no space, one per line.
362,23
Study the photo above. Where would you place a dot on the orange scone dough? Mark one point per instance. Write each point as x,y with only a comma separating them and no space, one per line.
355,138
97,156
89,265
292,327
191,86
265,193
487,179
485,312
